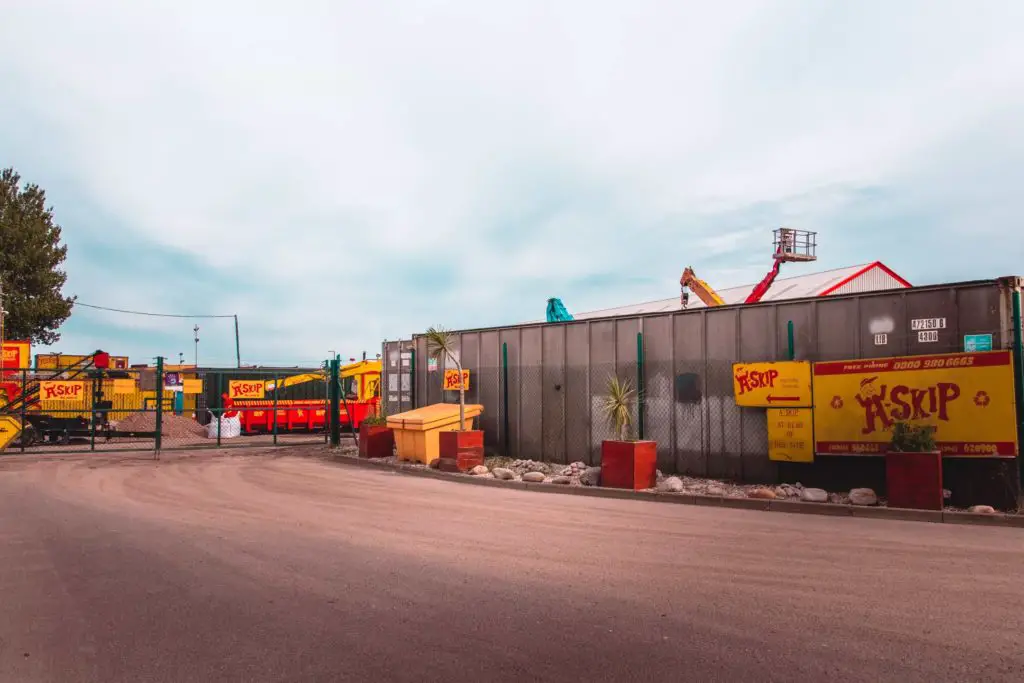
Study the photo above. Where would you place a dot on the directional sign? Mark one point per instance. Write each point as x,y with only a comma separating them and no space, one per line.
791,434
772,385
10,427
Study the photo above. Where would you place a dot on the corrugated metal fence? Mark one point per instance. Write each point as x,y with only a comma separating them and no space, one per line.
557,373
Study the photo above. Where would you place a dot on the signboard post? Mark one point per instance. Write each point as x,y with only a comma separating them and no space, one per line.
772,385
967,397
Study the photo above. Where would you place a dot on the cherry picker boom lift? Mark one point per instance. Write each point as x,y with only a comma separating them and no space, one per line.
790,246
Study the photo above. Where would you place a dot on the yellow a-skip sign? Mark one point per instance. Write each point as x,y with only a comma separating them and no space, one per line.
772,385
966,397
791,434
451,380
61,390
10,427
247,388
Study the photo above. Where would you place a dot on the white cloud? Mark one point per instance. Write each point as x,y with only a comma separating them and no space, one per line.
319,154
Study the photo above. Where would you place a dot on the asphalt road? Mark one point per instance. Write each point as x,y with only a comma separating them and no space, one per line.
245,568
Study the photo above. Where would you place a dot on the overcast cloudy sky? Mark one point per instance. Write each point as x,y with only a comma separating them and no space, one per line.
339,172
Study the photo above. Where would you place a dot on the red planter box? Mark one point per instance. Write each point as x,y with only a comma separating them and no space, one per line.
629,464
914,480
376,441
460,451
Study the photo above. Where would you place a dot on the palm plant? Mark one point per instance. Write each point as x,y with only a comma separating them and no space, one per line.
618,407
441,346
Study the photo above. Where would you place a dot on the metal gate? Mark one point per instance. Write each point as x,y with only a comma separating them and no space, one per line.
399,371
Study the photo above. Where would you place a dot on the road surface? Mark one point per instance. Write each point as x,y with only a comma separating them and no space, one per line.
259,568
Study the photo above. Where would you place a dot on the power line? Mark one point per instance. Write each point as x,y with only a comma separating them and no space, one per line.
153,315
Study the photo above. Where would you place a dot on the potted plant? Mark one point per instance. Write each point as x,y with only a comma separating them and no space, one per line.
462,449
913,468
376,439
626,463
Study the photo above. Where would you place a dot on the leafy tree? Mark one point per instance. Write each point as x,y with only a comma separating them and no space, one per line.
30,263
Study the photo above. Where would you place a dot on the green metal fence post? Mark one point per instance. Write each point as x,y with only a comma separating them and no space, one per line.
504,397
24,403
334,390
159,402
1018,371
791,341
640,385
220,405
277,384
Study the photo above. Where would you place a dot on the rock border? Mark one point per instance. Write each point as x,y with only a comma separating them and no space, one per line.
785,506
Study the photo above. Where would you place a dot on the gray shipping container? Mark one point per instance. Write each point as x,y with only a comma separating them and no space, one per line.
557,373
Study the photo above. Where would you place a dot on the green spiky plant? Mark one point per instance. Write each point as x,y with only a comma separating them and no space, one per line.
908,438
617,406
441,345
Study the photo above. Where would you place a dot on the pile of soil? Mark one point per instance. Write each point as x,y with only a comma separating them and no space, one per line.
174,426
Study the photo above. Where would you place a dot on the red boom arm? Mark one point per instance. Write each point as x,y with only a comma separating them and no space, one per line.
764,285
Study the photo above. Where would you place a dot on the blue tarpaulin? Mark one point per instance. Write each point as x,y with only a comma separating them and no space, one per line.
557,312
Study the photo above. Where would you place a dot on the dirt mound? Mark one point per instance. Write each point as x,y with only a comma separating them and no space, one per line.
174,426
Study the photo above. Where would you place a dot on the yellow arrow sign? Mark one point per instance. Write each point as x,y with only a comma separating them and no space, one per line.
10,427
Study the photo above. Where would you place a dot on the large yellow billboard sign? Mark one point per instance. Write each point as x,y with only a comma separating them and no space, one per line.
967,397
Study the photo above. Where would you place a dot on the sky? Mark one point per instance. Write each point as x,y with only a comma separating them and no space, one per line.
338,173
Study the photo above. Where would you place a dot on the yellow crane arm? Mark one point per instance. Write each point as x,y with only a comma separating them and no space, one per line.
703,290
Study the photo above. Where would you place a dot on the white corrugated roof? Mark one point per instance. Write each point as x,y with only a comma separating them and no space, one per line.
798,287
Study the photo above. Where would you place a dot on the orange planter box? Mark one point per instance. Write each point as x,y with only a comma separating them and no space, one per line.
629,464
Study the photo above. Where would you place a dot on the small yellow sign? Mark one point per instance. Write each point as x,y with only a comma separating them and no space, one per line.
10,427
246,388
791,434
192,386
124,386
786,384
451,380
61,390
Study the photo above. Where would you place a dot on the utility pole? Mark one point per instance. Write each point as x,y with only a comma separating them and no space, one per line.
195,331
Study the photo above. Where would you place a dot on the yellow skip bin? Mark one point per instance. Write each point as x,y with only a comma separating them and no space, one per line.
417,431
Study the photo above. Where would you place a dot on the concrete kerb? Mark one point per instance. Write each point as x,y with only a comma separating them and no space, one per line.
788,506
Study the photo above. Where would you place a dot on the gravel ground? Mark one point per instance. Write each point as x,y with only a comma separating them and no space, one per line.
688,485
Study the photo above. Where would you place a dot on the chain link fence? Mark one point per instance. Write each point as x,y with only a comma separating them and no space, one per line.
88,408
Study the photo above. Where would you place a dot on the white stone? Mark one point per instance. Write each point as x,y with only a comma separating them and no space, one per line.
814,495
716,491
535,477
671,485
982,509
503,473
564,481
863,497
479,469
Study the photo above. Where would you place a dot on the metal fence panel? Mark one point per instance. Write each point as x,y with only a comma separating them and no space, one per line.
835,329
577,392
489,395
553,352
531,395
602,368
690,393
758,335
724,435
510,338
658,382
